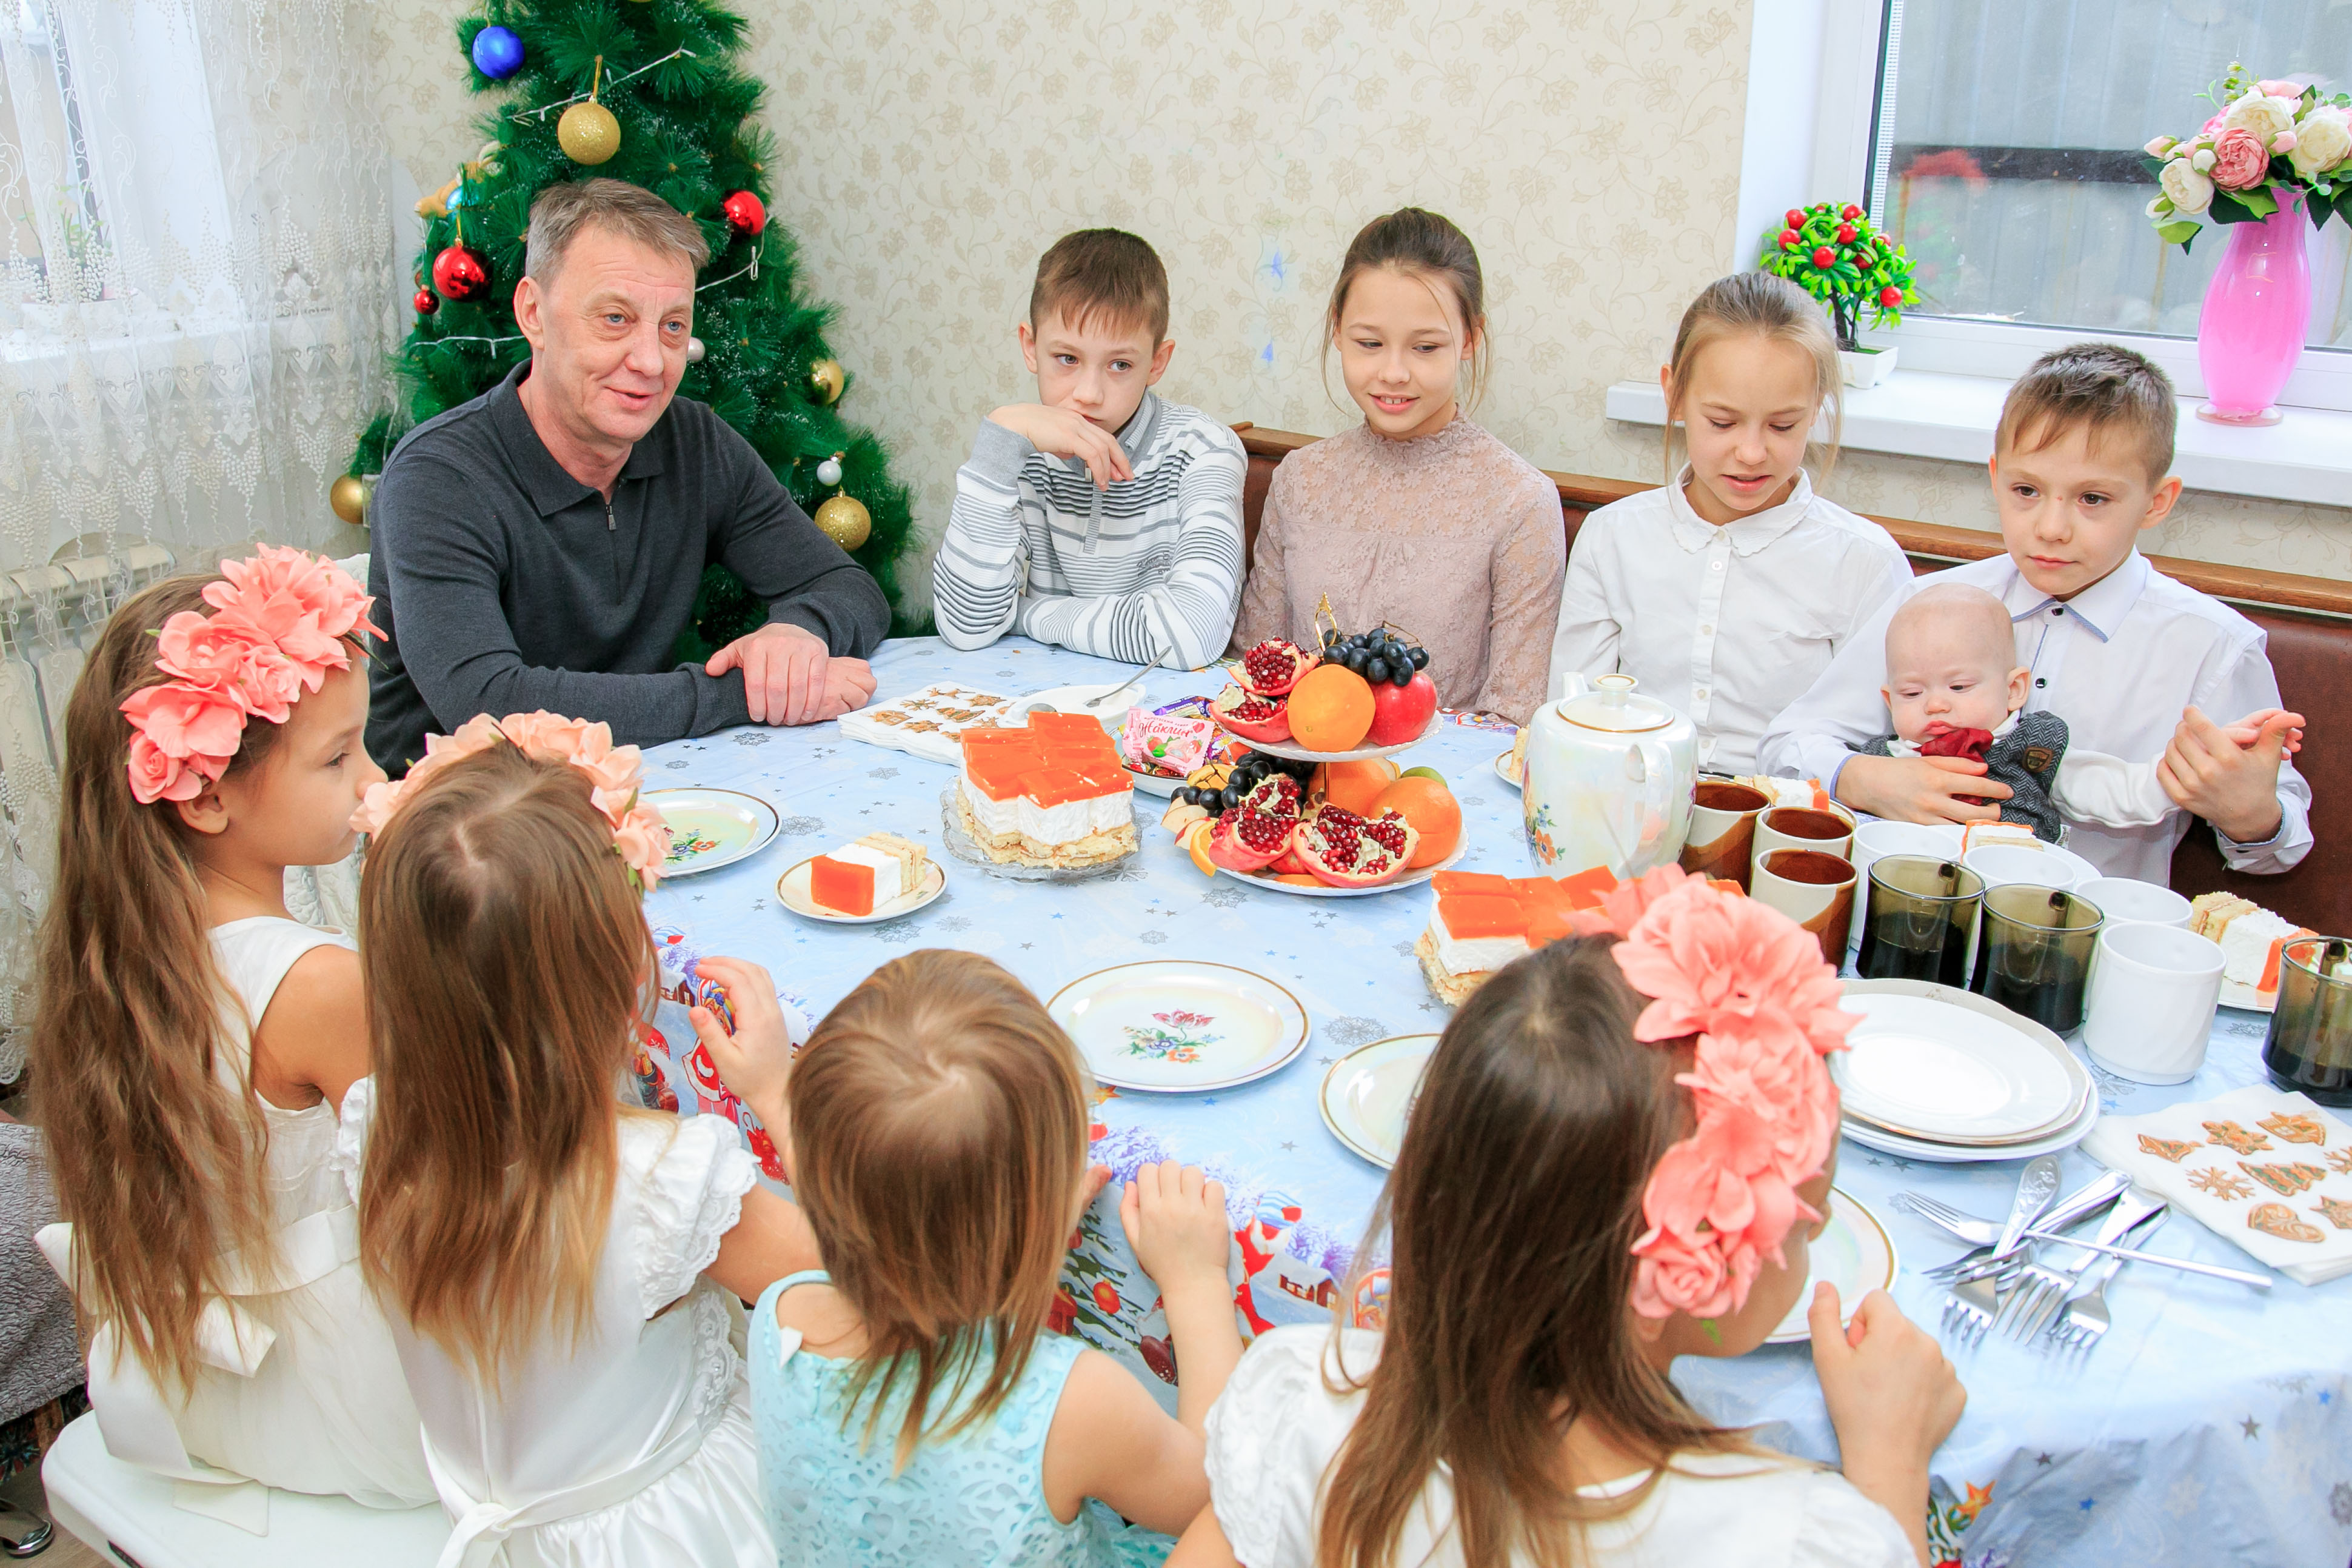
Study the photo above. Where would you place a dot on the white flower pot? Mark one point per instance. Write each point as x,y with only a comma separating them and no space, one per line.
1866,367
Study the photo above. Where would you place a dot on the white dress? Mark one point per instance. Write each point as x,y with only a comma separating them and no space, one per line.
633,1446
301,1387
1278,1426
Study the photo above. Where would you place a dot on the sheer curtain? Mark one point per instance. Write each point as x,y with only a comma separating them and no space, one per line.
197,295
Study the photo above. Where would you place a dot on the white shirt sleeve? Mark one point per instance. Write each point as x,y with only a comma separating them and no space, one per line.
2093,787
1842,1528
1813,737
1270,1437
1586,641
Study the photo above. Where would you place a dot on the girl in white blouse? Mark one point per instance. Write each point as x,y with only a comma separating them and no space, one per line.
1746,582
1517,1407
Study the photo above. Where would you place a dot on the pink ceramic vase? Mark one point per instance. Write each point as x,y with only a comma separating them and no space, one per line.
2257,313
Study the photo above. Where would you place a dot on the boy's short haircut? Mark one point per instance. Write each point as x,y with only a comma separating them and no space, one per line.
2104,388
1107,274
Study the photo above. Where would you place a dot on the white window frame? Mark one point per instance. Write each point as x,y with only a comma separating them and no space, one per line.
1815,92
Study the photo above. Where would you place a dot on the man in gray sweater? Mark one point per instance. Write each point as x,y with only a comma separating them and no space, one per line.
541,546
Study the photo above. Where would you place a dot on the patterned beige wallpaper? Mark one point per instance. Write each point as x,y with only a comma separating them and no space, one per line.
1591,150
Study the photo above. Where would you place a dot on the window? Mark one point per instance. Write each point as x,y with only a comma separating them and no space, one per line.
2005,152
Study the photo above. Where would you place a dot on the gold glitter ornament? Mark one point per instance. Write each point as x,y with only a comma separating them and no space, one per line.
349,498
845,521
826,380
588,133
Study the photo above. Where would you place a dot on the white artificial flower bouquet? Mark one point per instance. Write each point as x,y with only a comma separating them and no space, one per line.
2268,142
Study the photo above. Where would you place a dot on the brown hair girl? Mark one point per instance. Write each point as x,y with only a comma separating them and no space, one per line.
1755,304
1423,245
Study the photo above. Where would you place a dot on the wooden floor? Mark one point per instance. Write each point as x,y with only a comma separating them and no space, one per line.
64,1551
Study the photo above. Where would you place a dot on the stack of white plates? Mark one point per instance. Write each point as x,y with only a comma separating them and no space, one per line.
1934,1073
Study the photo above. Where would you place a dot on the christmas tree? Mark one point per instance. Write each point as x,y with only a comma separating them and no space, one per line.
646,91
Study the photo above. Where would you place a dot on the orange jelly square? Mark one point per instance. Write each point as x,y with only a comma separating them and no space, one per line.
1585,889
1056,786
998,770
1447,882
1470,915
842,885
1058,728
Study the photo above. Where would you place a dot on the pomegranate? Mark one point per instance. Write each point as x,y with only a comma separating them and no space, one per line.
1400,713
1257,832
1274,666
1250,716
1345,850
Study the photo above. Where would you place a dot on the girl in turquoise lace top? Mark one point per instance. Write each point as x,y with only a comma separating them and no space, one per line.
910,1405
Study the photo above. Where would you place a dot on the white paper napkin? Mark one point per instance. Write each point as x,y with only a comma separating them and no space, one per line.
2266,1169
928,722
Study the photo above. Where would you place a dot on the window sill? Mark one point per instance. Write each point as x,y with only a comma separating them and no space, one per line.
2306,456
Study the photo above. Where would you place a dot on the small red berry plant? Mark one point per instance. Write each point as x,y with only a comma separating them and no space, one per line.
1836,255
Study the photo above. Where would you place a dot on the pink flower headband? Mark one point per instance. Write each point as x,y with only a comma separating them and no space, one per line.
1751,984
640,836
280,624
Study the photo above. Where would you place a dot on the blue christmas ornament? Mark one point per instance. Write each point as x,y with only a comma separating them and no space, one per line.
498,53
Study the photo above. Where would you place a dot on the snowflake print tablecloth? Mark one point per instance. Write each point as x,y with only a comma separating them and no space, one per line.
2211,1425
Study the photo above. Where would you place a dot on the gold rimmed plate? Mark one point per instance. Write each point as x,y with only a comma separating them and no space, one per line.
1177,1026
1854,1251
792,892
711,828
1369,1093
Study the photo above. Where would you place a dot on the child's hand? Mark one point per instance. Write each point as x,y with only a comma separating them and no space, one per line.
1893,1398
1921,789
1058,432
756,1061
1175,1219
2234,789
2248,731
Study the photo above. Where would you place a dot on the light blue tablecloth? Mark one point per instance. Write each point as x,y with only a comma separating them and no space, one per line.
2211,1425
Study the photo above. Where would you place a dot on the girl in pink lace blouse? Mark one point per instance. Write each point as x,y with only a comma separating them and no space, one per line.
1417,515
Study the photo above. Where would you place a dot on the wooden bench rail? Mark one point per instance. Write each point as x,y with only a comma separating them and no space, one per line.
2239,584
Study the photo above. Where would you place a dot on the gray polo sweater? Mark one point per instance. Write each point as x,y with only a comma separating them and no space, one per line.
504,585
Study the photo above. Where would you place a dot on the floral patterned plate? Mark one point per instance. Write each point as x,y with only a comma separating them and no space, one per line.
1368,1092
711,828
1177,1026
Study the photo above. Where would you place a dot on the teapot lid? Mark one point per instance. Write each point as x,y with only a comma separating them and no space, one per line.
1612,705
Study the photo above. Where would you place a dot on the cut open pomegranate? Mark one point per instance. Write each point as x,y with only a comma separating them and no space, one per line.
1259,831
1345,850
1251,717
1274,666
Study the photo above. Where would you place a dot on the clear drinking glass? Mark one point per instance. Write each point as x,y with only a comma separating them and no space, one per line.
1923,910
2034,952
2310,1043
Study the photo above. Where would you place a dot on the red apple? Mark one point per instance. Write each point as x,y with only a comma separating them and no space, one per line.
1400,713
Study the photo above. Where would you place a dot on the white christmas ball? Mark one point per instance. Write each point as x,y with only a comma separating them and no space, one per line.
829,471
694,351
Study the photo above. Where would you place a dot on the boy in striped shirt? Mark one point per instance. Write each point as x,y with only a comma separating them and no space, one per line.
1099,518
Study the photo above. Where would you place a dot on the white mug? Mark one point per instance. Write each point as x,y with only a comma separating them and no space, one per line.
1811,887
2039,865
1879,837
2150,1010
2131,902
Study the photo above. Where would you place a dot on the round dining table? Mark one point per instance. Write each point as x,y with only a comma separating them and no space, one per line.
2211,1423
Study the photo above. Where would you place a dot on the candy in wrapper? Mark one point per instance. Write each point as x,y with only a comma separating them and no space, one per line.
1166,744
710,994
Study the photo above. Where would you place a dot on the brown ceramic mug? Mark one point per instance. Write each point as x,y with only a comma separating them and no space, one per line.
1722,840
1811,888
1803,828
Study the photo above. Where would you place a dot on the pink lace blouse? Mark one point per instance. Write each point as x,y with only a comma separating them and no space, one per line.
1453,537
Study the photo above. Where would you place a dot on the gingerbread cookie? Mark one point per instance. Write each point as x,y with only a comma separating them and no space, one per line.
2222,1184
2231,1135
2173,1149
2277,1219
2295,1129
2336,1211
2340,1160
2286,1180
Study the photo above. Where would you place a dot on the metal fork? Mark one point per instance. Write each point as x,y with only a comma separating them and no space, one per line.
2036,1296
2075,1205
1971,1308
2087,1314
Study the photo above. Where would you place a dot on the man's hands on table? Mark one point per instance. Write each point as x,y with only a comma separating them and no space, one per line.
1058,432
1921,789
790,676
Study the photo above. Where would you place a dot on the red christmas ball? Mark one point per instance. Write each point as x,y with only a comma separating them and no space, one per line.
427,302
744,212
1850,212
1890,296
1846,233
1788,239
460,274
1824,257
1796,217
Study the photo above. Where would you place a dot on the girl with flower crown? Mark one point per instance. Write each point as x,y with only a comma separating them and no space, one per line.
560,1272
193,1040
1618,1154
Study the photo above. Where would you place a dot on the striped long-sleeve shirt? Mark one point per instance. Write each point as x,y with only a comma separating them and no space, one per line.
1150,567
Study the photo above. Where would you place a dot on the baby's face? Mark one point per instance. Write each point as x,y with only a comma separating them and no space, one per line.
1944,673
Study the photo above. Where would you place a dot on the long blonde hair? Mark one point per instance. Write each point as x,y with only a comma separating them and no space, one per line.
506,960
940,1133
156,1161
1758,305
1512,1213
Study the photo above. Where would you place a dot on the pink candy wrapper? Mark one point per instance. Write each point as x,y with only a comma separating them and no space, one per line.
1169,745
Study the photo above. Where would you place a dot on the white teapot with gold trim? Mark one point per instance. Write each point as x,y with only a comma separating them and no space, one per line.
1610,773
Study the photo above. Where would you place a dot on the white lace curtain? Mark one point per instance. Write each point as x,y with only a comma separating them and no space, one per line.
196,301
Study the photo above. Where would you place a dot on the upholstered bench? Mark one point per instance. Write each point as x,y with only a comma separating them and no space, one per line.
2309,620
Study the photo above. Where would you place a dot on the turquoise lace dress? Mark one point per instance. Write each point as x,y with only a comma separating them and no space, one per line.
977,1498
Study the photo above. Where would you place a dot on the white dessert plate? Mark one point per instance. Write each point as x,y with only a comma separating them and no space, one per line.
1854,1251
1175,1026
711,828
1300,754
1506,772
1409,879
2235,994
1944,1066
961,845
1368,1093
1073,699
1887,1142
792,891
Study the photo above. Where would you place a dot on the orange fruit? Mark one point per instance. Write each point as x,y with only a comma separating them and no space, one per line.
1354,785
1330,708
1433,813
1195,839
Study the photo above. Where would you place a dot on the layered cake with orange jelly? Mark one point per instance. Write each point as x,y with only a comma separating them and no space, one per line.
1482,922
859,878
1051,794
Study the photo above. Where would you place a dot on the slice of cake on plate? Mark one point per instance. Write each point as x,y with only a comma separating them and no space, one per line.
2250,937
1051,794
867,875
1482,922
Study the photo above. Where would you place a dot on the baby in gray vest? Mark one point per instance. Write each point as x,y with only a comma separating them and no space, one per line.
1954,688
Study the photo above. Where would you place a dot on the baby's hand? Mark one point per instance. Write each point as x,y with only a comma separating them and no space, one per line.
2247,733
1175,1219
756,1061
